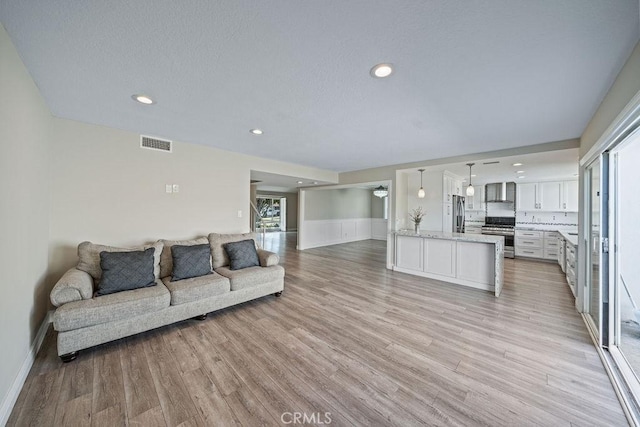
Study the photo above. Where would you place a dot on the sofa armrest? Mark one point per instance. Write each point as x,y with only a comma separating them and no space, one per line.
74,285
267,259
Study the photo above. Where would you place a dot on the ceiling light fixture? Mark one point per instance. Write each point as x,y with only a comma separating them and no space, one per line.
315,182
256,131
470,190
521,176
299,182
380,192
381,71
421,193
519,171
517,164
143,99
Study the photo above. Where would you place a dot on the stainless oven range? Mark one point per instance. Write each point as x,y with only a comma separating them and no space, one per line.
502,226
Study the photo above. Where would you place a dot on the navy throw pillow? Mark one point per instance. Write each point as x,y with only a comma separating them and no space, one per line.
190,261
125,271
242,254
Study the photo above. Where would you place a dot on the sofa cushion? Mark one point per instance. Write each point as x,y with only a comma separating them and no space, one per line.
109,308
219,257
166,258
89,254
125,271
252,276
196,288
242,254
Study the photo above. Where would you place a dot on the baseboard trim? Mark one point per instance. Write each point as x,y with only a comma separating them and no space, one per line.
12,396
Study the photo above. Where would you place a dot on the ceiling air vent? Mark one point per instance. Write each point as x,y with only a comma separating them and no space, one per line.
152,143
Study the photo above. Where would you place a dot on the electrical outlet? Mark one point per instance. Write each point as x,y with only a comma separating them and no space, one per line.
176,188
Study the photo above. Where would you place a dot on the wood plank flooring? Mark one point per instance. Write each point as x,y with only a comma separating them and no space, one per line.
349,338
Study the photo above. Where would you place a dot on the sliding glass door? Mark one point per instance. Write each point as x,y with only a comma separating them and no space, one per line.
624,343
593,248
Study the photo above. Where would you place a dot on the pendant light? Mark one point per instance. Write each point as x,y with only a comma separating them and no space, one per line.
470,190
380,192
421,193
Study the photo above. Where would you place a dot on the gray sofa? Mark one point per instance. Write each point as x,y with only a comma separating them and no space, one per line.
83,320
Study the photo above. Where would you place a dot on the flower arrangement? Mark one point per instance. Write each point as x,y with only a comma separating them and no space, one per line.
416,216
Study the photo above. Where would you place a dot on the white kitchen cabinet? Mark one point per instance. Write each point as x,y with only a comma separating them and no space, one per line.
546,196
447,217
409,253
451,186
570,196
440,257
474,262
527,196
551,245
447,188
550,195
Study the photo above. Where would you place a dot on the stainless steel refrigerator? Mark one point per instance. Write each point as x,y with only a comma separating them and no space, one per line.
457,205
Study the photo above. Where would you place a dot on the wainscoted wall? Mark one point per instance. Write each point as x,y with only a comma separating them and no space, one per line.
545,220
379,228
333,231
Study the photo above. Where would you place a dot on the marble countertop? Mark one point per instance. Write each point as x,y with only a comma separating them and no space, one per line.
569,238
479,238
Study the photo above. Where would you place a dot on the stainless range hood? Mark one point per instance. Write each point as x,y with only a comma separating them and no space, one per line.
500,192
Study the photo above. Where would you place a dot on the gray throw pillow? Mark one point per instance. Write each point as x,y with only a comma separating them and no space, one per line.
242,254
124,271
190,261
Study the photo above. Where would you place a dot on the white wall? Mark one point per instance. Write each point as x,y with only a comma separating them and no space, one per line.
108,190
341,203
24,217
332,216
378,206
432,202
626,85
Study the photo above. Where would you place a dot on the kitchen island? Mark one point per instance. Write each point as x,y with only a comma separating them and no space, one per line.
473,260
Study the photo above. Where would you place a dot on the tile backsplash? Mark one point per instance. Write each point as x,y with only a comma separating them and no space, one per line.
534,219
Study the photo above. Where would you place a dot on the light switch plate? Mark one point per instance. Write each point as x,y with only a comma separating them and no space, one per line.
168,188
239,214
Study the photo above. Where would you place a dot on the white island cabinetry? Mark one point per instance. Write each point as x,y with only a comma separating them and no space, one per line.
474,261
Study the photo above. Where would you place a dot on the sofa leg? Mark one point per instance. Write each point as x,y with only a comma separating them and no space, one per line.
201,317
69,357
277,294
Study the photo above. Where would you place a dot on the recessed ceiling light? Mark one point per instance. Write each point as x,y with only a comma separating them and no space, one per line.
315,182
256,131
519,171
522,176
517,164
142,99
381,70
473,176
299,182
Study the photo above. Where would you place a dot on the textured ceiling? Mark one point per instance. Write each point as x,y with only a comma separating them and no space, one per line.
469,77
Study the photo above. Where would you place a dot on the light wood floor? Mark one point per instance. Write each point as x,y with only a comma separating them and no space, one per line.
348,337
